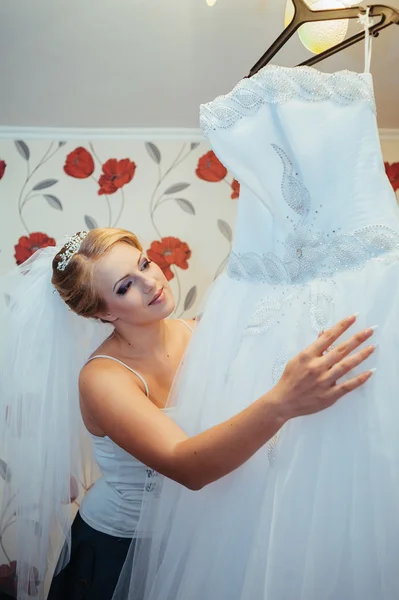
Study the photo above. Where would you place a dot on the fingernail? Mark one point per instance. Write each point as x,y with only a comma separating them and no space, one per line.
371,330
352,318
373,370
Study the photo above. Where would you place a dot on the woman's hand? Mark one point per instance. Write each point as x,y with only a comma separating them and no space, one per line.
309,382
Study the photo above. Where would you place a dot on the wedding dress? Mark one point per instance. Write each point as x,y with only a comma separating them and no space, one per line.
314,515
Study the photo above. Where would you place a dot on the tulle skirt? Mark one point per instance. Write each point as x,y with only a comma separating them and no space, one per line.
314,514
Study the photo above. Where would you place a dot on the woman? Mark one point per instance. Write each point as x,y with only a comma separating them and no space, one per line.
149,355
105,275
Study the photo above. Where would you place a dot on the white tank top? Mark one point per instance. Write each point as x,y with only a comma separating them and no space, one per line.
113,503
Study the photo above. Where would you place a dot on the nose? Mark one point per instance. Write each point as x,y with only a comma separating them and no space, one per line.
148,284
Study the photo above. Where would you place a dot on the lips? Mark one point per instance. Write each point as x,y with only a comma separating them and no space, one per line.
156,297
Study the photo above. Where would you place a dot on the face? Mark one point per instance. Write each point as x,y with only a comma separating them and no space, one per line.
134,288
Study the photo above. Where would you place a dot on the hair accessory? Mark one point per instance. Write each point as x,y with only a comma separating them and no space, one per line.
71,247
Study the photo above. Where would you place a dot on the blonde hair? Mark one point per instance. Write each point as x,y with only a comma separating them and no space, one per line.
75,284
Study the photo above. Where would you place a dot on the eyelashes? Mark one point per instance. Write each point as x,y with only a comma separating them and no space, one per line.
124,288
145,264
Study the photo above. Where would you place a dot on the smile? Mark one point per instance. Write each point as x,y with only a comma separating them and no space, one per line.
157,298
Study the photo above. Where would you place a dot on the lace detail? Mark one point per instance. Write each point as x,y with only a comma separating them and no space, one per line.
278,369
293,190
151,480
312,253
308,251
264,316
270,448
277,85
321,310
267,312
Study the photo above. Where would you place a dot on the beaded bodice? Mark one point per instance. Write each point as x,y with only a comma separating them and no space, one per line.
315,198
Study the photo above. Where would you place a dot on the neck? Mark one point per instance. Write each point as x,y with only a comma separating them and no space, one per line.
143,340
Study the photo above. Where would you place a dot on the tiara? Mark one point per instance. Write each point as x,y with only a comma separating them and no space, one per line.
71,247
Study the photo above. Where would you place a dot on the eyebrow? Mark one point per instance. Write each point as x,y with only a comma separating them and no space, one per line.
124,277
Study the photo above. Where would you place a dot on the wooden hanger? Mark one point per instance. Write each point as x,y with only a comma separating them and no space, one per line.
303,14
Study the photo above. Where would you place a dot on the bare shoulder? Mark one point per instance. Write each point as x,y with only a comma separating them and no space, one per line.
94,367
106,388
102,380
103,374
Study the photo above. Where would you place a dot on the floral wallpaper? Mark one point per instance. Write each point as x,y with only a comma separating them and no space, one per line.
176,196
392,170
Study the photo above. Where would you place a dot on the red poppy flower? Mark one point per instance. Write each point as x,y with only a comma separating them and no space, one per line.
235,186
2,168
210,168
79,164
27,245
167,252
73,491
8,578
34,582
116,174
393,174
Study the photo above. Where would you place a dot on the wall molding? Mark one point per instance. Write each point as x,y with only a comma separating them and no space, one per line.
389,135
125,133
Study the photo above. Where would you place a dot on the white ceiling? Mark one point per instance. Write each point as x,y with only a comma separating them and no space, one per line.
150,63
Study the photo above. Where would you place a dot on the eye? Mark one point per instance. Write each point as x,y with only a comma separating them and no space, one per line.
145,264
124,288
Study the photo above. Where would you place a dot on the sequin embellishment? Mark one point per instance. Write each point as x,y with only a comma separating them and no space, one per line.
311,253
321,310
277,85
278,369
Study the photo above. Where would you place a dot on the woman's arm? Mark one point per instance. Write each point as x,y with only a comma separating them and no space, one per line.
308,385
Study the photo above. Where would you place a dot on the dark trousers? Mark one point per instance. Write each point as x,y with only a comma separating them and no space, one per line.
95,565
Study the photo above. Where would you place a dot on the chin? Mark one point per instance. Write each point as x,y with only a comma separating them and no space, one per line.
166,306
169,307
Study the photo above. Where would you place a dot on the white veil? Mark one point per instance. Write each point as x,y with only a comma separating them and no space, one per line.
45,451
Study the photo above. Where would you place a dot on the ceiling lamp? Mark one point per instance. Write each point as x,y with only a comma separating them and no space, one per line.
321,35
211,2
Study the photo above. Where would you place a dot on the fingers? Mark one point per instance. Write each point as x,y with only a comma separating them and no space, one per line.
327,338
344,366
348,386
337,354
